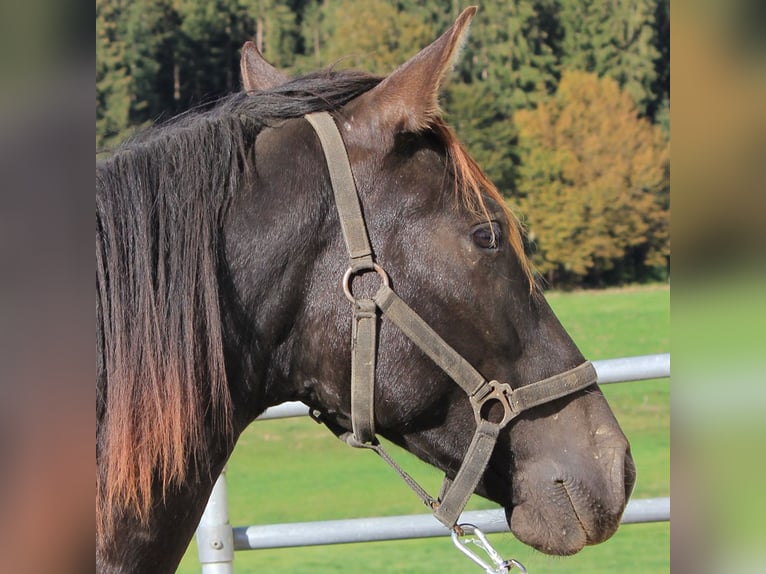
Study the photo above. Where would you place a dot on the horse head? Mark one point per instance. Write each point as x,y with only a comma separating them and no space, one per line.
453,253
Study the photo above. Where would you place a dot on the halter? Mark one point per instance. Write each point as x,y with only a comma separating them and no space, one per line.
481,392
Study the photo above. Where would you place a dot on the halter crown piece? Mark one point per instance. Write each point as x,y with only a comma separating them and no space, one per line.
454,493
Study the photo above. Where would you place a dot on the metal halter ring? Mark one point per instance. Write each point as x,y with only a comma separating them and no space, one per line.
497,392
350,272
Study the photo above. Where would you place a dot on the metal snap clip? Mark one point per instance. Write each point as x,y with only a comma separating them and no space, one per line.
461,539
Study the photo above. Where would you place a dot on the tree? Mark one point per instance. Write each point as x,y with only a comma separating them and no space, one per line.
112,79
311,34
659,109
151,57
514,51
276,30
374,35
615,38
211,33
486,131
593,184
510,63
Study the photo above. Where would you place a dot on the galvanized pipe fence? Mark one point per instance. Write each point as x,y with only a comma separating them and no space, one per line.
217,540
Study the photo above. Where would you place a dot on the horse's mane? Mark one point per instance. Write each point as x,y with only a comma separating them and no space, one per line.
160,202
161,198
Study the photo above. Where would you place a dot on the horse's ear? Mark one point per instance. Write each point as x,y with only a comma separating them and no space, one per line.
257,73
407,100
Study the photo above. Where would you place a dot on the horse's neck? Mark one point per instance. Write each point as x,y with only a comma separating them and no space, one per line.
271,264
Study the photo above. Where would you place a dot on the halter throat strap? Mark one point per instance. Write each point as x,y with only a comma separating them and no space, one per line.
481,392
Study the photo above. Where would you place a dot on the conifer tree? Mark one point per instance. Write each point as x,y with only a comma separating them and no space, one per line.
151,56
659,109
276,32
211,34
373,35
614,38
514,50
509,63
112,80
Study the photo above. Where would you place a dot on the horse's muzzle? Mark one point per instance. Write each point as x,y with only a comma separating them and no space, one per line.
560,508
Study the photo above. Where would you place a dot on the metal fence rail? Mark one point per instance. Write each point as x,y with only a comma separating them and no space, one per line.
403,527
622,370
217,540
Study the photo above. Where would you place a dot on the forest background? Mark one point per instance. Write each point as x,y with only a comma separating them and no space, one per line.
564,103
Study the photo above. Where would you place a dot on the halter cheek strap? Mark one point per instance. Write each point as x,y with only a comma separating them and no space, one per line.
481,392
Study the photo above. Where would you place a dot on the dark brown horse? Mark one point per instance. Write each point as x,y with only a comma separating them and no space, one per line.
219,255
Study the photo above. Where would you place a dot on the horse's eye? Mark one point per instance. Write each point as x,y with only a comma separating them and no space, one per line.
487,236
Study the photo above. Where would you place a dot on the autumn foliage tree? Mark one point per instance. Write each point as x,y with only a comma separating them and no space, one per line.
593,184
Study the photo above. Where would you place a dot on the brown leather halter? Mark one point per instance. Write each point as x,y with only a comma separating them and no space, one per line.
481,392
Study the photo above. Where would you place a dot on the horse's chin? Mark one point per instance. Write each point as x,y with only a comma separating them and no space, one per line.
559,535
561,521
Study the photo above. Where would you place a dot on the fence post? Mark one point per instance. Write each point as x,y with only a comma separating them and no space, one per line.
215,537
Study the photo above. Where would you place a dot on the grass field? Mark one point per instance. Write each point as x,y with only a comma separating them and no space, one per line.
293,470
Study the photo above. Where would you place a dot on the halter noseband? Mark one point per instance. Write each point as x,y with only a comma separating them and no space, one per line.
481,393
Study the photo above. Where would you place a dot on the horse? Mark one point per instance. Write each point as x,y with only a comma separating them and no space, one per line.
224,260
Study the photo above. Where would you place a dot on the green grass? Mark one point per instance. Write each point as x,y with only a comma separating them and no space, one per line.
293,470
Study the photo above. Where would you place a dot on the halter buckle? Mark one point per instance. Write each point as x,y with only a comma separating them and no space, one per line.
491,391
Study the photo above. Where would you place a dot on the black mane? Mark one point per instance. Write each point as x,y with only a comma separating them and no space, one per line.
318,91
160,202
